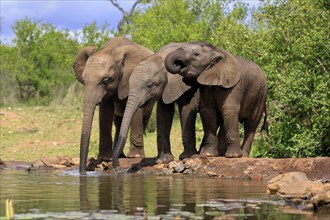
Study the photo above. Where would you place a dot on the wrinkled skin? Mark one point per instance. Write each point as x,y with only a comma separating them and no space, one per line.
232,90
105,75
150,82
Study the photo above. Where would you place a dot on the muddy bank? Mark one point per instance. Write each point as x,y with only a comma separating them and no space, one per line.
246,168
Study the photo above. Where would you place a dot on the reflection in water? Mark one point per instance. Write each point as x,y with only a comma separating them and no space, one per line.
134,194
130,194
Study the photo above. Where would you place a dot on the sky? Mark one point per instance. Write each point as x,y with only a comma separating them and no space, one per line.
64,14
70,14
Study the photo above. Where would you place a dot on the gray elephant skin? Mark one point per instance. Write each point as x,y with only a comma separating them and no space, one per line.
150,82
232,90
105,76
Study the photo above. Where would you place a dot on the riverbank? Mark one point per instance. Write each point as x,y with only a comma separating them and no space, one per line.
262,169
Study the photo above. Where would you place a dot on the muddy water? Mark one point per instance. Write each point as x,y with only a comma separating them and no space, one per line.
45,194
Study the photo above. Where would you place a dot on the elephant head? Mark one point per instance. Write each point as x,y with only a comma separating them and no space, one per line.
149,82
211,66
104,73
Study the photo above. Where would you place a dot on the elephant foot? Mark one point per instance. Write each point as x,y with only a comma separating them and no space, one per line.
165,158
246,153
233,152
209,152
135,152
93,164
187,154
100,159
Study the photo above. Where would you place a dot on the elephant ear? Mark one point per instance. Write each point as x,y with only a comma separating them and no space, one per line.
225,71
174,88
127,57
80,62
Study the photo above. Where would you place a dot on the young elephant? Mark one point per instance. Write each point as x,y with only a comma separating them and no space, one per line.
150,82
105,75
232,86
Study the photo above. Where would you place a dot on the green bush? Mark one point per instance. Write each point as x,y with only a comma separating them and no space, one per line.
38,68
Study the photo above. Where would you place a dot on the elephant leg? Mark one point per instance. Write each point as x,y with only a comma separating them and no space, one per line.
188,113
136,149
209,120
248,139
165,114
106,113
230,121
222,142
117,121
251,124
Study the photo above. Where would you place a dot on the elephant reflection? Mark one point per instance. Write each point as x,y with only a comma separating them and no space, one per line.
157,195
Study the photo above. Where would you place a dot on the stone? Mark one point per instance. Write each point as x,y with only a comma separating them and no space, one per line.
281,180
297,187
322,198
179,168
303,189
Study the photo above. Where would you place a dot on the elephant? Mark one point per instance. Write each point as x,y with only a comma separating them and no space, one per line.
233,90
105,75
150,82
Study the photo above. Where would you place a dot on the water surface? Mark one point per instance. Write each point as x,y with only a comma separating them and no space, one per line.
46,194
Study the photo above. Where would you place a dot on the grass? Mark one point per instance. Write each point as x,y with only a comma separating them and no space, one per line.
32,133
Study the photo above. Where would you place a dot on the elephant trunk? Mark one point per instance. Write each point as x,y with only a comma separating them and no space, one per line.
131,107
176,61
90,102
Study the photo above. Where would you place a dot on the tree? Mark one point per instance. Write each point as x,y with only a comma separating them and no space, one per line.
92,35
39,65
45,57
292,38
162,22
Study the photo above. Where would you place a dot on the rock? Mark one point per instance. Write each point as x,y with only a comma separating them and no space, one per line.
279,181
193,164
2,163
172,164
179,168
159,166
211,174
301,189
297,187
322,198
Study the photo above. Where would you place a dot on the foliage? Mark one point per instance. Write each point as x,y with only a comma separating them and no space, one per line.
38,67
164,22
293,42
93,35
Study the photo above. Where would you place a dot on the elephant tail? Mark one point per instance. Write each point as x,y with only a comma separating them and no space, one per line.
265,123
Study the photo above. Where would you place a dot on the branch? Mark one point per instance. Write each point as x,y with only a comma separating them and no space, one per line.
126,15
131,12
115,3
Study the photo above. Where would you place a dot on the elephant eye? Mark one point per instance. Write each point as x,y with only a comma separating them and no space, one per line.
150,85
105,82
196,54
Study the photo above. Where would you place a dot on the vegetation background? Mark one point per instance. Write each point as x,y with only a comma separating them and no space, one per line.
289,39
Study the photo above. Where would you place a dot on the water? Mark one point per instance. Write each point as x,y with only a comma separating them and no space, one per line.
46,194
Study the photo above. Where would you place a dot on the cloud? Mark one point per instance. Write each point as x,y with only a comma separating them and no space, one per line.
64,14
